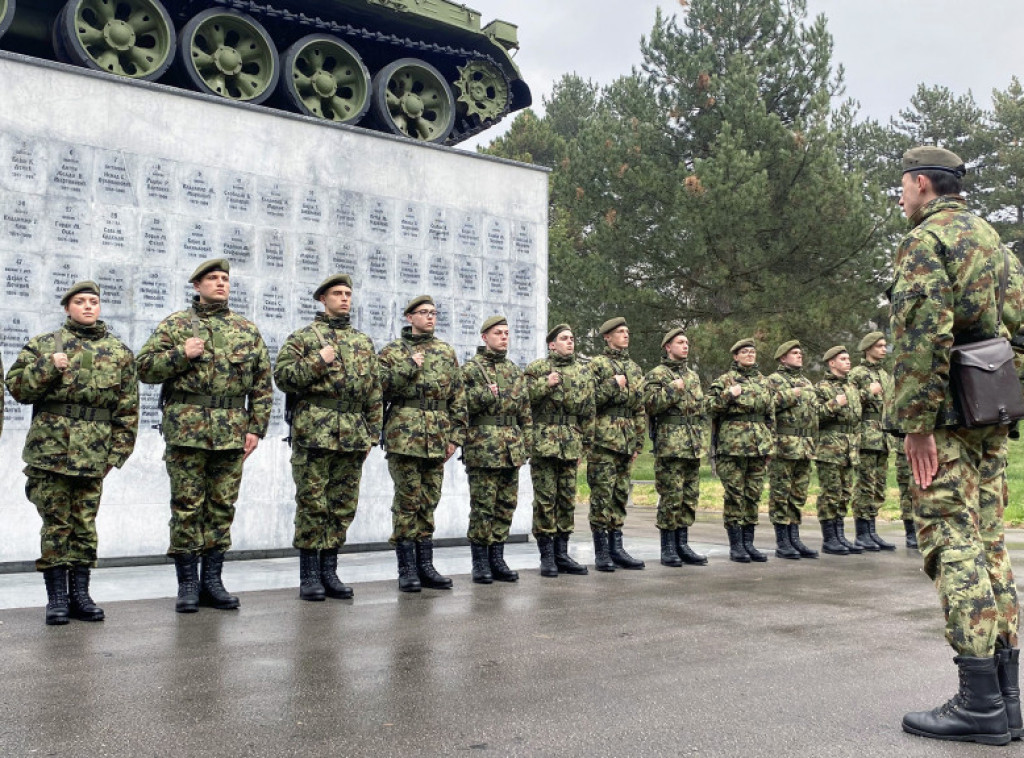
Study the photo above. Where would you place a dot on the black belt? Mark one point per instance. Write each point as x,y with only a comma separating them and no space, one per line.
758,417
833,426
333,404
616,411
71,410
677,419
423,404
795,431
221,402
494,421
871,416
555,418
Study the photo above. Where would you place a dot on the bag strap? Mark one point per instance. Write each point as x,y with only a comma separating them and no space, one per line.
58,341
1003,277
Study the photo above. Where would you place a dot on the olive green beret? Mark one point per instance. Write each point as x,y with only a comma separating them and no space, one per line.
671,335
832,352
785,347
416,302
492,322
83,286
748,342
556,330
927,158
869,341
204,268
332,281
612,323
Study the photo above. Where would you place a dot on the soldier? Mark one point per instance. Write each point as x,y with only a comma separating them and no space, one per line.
216,400
906,504
789,472
740,402
836,452
618,439
674,402
330,373
81,383
950,287
874,388
498,407
425,422
562,406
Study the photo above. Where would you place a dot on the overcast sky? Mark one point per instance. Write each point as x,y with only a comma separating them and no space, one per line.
888,47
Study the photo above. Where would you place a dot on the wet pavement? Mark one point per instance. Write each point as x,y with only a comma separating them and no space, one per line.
779,659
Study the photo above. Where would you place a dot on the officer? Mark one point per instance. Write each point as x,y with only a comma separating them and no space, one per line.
836,451
789,472
81,383
498,407
216,400
330,373
743,414
674,402
562,407
618,439
425,421
950,288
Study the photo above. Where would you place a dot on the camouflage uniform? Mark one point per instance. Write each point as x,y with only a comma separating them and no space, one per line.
84,422
873,466
796,427
837,446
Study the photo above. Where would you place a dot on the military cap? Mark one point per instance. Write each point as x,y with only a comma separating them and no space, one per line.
612,323
332,281
785,347
671,335
556,330
927,158
492,322
83,286
416,302
869,340
204,268
748,342
832,352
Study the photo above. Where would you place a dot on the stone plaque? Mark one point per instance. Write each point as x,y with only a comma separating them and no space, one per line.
23,164
238,244
496,238
114,232
157,240
71,175
198,191
467,234
410,270
149,408
240,296
273,306
154,292
21,279
239,200
375,317
495,281
379,221
440,273
522,282
157,185
275,206
311,210
524,242
69,226
272,250
113,180
115,280
376,268
410,226
343,258
443,325
21,226
309,258
346,210
467,277
439,233
467,323
198,243
61,272
306,307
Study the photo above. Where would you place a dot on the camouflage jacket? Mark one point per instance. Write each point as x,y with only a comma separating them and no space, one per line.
563,415
338,405
100,375
796,418
745,422
620,425
426,406
945,287
838,425
234,365
676,416
498,426
874,409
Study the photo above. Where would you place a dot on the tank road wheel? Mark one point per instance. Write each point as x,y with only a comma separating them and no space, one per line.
483,91
6,14
325,77
411,98
133,38
60,50
229,54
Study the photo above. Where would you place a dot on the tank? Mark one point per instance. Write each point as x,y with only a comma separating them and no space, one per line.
422,69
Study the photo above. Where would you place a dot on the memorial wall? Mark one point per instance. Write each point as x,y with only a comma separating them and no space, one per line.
133,184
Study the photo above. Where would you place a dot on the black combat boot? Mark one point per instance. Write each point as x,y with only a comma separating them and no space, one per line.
333,586
618,554
686,553
829,541
429,576
748,544
737,552
669,550
863,539
310,587
211,588
794,540
841,536
81,605
564,561
1008,672
783,547
976,713
187,569
481,566
499,569
883,544
911,532
57,611
408,581
602,558
546,546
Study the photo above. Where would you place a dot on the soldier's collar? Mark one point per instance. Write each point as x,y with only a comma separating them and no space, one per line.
207,309
99,329
339,322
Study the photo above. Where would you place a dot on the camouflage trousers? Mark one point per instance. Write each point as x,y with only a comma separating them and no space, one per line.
417,492
68,506
677,481
903,482
554,496
869,492
493,494
204,488
326,496
959,521
608,479
788,483
835,489
743,480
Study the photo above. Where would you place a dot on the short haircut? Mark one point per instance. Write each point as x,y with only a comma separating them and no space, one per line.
943,182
